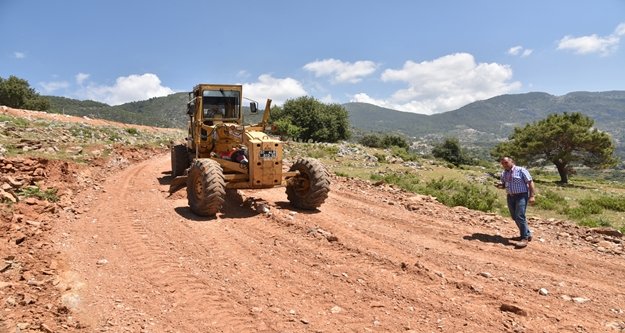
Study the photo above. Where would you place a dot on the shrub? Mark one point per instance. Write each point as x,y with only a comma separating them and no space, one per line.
407,181
453,193
35,191
449,151
381,157
612,203
586,208
371,140
321,151
550,200
403,154
594,222
391,140
341,174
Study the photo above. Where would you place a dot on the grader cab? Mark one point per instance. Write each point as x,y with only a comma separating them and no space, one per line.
222,153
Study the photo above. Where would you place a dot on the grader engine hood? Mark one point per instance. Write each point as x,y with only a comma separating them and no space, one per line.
265,159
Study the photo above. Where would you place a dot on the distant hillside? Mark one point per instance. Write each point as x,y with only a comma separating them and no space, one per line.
168,111
477,125
483,123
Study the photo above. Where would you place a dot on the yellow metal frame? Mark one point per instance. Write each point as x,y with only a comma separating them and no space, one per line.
221,136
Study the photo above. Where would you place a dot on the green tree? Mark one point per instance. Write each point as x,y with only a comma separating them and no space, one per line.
391,140
565,140
310,119
450,151
371,140
17,93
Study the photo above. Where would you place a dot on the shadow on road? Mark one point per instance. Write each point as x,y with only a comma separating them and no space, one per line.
186,213
233,207
287,205
485,238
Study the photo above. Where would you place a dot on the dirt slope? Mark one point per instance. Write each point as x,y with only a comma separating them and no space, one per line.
138,260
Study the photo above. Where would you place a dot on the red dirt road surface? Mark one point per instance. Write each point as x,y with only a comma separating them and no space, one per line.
372,259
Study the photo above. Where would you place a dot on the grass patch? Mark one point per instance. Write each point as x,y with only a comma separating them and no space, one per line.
450,192
17,122
403,154
550,200
594,222
407,181
454,193
49,194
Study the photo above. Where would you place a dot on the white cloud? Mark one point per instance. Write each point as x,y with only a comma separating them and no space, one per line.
19,55
593,44
50,87
444,84
520,51
126,89
340,71
278,90
243,74
81,77
327,99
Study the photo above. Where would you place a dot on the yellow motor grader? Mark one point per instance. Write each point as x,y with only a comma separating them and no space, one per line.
222,153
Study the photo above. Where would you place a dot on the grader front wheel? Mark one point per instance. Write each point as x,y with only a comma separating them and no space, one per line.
310,188
206,187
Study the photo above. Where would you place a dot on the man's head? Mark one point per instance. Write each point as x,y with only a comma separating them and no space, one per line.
506,162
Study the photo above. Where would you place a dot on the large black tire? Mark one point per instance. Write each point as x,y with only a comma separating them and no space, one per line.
179,160
206,187
310,188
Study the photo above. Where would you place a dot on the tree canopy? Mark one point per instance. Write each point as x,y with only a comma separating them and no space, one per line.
565,140
17,93
449,151
305,118
375,140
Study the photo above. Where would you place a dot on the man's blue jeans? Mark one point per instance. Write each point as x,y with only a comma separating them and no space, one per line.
517,204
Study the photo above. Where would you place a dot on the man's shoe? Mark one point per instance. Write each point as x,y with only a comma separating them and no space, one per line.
522,243
529,238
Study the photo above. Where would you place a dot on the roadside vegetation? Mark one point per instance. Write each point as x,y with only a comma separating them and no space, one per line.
591,198
78,142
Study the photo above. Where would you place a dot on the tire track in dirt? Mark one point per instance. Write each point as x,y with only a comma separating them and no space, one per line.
143,246
364,265
376,230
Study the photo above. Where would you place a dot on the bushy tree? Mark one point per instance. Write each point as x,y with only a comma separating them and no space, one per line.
17,93
565,140
371,140
384,141
305,118
391,140
450,151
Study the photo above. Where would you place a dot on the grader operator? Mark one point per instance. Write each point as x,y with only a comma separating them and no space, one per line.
222,153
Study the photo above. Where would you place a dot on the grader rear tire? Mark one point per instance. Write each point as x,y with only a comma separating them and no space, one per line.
179,160
206,187
310,188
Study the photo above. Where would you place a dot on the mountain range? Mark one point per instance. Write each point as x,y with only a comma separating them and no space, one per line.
478,125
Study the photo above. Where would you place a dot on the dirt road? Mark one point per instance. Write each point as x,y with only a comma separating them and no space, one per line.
140,261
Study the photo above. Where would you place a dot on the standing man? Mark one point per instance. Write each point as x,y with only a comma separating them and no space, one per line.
520,191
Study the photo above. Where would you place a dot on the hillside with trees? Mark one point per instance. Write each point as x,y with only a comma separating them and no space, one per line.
478,126
483,124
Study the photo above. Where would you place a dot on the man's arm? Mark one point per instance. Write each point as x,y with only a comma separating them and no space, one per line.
532,191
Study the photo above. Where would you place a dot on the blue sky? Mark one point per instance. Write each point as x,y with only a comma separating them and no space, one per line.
416,56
